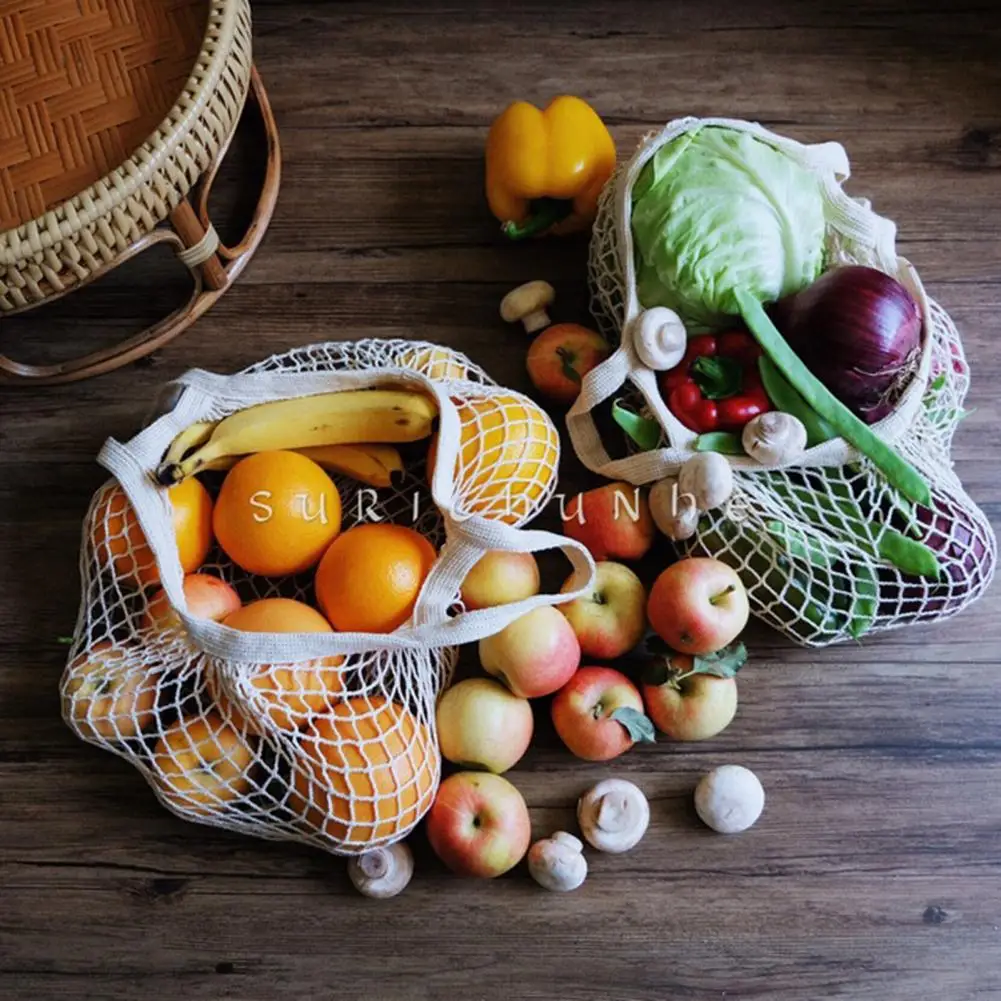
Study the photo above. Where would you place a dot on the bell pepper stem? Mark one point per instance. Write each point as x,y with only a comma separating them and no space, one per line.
547,212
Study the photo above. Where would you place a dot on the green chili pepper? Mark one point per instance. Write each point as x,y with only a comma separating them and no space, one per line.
785,398
897,470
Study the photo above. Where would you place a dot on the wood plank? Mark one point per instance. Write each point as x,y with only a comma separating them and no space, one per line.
874,873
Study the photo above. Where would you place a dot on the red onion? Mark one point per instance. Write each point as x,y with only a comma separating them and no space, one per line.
859,331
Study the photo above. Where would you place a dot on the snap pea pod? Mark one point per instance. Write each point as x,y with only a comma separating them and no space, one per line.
724,442
806,598
785,398
899,473
907,555
861,608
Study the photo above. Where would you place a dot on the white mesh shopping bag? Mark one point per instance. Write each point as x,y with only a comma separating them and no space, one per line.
327,738
807,542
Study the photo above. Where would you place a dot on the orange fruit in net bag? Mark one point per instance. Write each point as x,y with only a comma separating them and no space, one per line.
365,773
119,540
288,693
201,764
369,579
107,695
508,458
276,513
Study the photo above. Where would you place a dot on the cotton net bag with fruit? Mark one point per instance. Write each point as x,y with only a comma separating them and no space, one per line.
266,639
720,227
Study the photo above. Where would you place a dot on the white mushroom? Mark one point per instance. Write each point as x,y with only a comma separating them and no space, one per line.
674,513
382,872
528,303
613,815
729,799
557,862
774,438
659,338
708,478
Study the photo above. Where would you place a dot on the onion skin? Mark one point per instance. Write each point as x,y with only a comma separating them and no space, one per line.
859,331
961,539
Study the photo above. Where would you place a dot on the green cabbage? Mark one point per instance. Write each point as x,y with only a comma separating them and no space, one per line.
716,210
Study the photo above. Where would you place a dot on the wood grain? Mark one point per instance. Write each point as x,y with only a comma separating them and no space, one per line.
874,872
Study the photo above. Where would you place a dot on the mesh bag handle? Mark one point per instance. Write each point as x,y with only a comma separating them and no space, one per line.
850,222
205,395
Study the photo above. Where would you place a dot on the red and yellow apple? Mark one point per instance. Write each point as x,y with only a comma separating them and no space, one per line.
688,706
483,725
613,521
479,824
207,597
535,655
499,578
611,618
561,356
698,606
599,714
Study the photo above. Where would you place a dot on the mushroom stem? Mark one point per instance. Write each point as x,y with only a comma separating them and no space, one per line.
536,320
382,872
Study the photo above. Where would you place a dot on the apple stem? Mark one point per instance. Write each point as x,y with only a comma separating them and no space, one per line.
717,598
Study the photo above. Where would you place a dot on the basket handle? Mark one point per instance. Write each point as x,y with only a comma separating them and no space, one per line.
108,359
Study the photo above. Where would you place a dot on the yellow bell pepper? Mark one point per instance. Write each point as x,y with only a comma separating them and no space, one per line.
545,169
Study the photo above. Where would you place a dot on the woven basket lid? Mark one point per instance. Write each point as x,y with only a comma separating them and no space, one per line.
83,83
110,111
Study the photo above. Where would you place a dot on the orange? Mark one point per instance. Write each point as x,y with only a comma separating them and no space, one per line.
106,696
120,541
288,693
276,513
508,458
202,763
365,773
369,579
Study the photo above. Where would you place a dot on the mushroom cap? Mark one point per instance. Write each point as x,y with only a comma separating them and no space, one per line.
526,299
729,799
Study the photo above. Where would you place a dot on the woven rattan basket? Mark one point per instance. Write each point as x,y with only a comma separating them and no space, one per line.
114,117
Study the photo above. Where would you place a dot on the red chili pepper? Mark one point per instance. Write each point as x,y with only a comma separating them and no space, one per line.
716,387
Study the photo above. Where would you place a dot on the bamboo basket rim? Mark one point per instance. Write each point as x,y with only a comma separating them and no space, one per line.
25,241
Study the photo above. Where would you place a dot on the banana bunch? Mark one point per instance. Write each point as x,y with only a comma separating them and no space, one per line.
348,432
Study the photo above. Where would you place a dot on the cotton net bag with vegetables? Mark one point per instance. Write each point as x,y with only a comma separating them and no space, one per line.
762,313
266,639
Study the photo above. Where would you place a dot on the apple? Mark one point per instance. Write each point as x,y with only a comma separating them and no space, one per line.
691,703
535,655
698,605
613,521
561,356
599,714
611,618
499,578
207,597
478,824
483,725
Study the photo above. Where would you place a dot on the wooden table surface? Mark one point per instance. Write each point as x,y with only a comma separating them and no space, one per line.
875,872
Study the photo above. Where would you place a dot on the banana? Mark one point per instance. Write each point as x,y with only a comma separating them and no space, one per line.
193,436
374,465
353,416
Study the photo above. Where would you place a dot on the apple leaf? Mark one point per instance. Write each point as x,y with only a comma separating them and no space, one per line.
644,431
637,725
723,663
